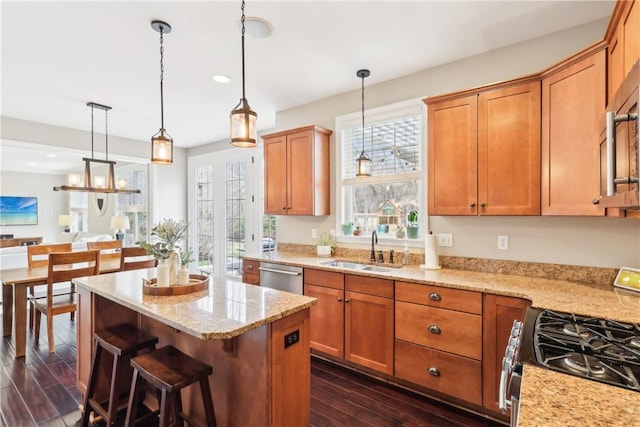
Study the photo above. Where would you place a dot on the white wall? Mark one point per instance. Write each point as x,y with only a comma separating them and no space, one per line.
600,242
50,203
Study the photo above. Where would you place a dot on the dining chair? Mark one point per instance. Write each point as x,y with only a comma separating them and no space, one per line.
63,267
109,249
37,257
135,258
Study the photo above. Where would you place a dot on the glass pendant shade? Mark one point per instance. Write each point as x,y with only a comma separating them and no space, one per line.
244,132
363,165
161,148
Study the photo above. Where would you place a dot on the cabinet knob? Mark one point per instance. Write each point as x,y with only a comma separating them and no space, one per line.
284,208
472,205
596,201
250,267
482,205
339,299
346,300
434,371
434,296
434,329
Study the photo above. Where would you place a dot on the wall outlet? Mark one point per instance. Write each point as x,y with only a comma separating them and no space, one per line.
503,242
314,233
445,239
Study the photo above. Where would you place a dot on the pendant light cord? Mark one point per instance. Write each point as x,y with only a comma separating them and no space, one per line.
242,21
161,79
363,113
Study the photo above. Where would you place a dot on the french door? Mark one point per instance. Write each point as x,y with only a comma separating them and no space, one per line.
224,209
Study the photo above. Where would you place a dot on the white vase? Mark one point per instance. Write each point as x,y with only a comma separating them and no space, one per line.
323,251
163,272
174,266
183,276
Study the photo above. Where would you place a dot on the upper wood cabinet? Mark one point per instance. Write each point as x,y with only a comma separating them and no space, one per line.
484,151
296,171
573,103
623,37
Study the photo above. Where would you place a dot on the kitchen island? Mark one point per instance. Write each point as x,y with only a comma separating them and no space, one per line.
256,340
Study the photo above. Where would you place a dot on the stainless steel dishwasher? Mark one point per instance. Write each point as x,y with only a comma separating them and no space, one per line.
281,277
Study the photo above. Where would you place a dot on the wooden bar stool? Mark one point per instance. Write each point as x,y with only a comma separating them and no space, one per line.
123,342
169,371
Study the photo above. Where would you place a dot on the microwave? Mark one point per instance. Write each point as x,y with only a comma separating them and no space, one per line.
619,157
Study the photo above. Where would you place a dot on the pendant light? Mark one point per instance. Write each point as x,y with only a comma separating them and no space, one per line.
363,164
243,119
161,142
98,185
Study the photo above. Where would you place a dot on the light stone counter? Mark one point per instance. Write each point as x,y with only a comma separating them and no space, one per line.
227,309
548,398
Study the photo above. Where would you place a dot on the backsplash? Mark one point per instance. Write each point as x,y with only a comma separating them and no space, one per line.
594,276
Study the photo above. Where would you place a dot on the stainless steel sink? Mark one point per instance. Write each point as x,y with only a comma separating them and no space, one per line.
345,264
378,268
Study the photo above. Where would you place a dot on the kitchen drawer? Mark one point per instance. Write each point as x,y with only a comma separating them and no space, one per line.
443,372
251,279
447,330
437,296
250,266
369,285
328,279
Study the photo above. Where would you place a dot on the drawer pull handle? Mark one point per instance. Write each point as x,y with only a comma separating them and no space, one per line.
434,371
434,296
434,329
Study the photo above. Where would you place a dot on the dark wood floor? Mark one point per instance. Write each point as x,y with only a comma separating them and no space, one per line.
39,390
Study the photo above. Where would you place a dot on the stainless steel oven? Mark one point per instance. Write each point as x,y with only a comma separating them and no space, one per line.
594,348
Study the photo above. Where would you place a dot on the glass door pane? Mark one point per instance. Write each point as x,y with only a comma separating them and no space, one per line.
235,220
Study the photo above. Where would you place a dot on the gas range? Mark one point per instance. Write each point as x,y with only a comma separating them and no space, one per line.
597,349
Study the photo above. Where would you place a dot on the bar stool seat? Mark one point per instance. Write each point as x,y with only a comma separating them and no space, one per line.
169,371
123,342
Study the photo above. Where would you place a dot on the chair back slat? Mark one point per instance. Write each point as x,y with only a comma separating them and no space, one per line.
135,258
109,249
64,266
38,255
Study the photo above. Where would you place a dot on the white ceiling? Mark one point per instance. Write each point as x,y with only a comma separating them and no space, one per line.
57,56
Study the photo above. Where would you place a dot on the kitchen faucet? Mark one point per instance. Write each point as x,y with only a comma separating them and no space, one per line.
374,235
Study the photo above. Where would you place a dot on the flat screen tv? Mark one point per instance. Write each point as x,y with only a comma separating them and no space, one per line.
16,210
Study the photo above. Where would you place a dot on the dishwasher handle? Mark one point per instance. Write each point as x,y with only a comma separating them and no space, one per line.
273,270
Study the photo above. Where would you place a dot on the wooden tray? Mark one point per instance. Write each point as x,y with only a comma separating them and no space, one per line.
197,283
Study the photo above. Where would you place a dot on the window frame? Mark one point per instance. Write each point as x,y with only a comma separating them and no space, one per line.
373,115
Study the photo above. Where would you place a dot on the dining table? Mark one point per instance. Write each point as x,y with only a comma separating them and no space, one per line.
15,282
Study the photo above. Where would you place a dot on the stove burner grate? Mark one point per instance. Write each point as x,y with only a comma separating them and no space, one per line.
584,364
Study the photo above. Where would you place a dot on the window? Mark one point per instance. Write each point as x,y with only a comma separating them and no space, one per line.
393,138
134,205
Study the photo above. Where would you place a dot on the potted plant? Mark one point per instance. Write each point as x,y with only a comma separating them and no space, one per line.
413,229
400,231
347,228
168,233
357,231
324,244
186,257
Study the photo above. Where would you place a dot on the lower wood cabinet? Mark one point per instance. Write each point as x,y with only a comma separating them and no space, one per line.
251,272
499,314
353,318
444,372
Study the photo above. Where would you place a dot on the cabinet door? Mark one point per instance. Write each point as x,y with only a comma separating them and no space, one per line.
573,102
499,314
615,64
327,320
631,23
369,331
300,173
453,156
275,175
509,150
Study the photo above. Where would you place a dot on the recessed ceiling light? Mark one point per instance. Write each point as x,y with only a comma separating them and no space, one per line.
221,78
257,28
51,155
32,164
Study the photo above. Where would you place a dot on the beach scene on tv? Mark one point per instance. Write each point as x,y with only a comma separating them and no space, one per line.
15,210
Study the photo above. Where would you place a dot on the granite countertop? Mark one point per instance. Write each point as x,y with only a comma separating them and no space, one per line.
227,309
548,398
